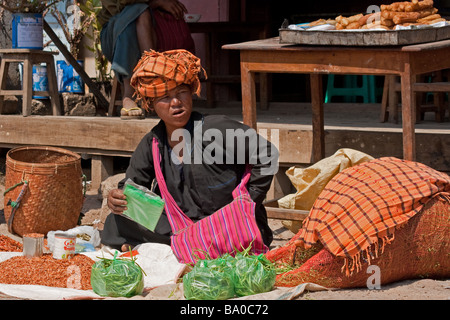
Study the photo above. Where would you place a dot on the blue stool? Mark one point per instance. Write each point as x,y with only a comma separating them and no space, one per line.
351,90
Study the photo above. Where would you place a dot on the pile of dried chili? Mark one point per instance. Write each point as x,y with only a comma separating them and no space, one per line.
64,273
9,245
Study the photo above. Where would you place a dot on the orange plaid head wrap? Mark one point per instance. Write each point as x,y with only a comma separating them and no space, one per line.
159,72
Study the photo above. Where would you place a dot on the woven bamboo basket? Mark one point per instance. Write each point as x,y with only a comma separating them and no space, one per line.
52,195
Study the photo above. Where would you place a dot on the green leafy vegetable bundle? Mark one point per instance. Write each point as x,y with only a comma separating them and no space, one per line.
209,280
253,275
117,277
227,276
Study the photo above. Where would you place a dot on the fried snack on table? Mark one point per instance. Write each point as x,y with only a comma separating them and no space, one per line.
400,19
406,17
387,22
342,21
403,13
430,18
320,22
375,25
419,14
406,6
345,21
317,23
353,25
369,18
408,13
396,6
409,24
434,21
419,6
422,23
427,12
355,18
363,20
390,15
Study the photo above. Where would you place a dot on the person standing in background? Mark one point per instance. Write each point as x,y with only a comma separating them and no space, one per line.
130,27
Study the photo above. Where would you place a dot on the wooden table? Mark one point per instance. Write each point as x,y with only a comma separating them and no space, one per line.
269,56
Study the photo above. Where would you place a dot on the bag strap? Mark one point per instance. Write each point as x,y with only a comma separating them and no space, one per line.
241,189
177,219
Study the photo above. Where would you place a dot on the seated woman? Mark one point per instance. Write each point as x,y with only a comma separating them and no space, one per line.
129,27
203,157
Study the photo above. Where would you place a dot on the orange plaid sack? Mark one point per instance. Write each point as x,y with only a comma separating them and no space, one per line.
158,72
353,221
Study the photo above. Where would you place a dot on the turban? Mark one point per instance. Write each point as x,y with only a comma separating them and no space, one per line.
158,72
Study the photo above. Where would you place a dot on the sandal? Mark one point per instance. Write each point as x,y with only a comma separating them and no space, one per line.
127,114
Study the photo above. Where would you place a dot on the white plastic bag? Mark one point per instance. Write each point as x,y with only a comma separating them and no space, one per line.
159,263
88,238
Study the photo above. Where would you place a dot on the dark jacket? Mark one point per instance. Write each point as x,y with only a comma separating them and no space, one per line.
202,188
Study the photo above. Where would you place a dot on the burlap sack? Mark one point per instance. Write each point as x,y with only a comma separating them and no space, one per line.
309,182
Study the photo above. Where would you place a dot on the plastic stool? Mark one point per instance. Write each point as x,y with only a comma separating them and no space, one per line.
351,90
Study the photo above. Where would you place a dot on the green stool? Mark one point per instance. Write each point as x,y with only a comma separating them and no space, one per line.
351,90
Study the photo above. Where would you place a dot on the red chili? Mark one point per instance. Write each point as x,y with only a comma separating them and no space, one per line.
129,254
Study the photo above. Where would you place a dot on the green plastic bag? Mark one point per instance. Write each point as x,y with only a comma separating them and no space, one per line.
253,274
228,276
117,277
209,280
144,206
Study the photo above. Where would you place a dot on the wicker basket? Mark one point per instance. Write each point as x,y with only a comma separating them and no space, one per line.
53,195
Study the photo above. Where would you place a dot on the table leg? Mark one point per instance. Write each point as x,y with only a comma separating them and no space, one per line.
317,117
408,114
439,99
263,91
248,97
393,100
101,168
4,67
384,100
27,87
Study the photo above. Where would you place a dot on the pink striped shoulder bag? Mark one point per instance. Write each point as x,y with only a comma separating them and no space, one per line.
228,230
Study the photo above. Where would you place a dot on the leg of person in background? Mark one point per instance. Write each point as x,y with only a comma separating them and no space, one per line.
147,40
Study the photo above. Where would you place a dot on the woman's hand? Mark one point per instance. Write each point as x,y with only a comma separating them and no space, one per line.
117,201
174,7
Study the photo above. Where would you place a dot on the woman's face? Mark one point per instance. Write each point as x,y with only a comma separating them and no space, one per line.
175,107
